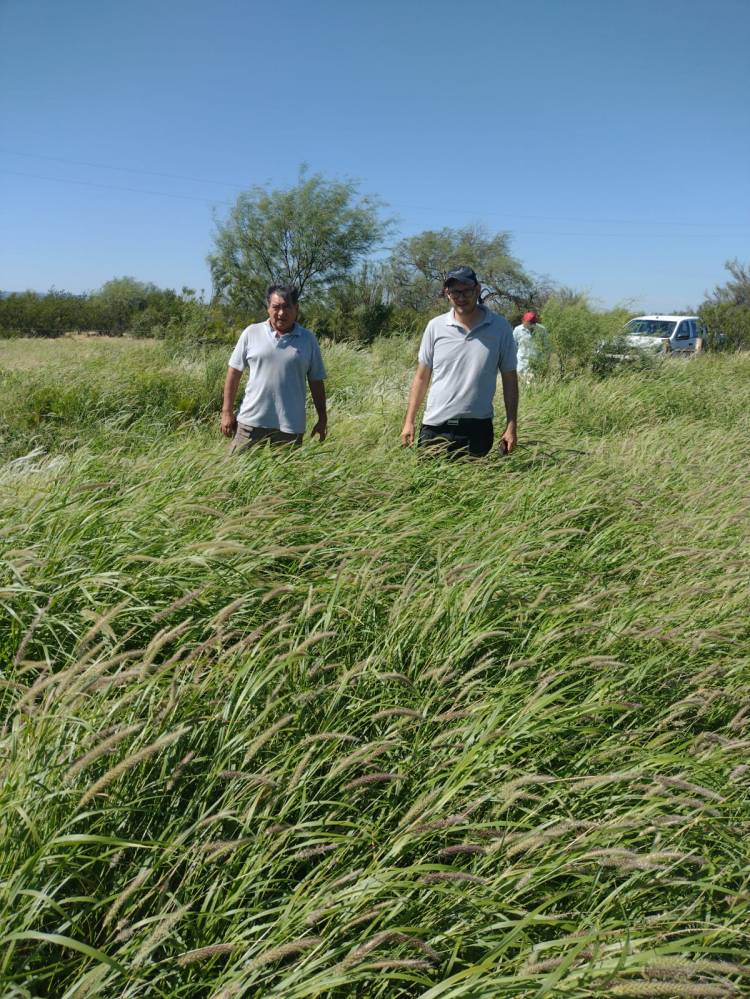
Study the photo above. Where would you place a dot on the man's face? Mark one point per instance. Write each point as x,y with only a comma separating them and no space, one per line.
282,314
463,296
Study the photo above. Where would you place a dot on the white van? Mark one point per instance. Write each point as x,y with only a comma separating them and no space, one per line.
651,333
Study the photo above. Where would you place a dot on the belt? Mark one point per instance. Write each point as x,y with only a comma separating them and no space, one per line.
465,421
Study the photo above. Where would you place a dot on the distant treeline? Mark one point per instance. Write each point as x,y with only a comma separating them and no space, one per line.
321,237
349,312
126,307
120,306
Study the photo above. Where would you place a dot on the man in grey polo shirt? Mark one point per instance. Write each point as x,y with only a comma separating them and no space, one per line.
459,358
280,356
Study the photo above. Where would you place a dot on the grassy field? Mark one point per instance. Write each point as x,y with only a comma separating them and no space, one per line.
343,723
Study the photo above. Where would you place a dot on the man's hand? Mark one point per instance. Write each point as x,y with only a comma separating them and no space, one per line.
228,419
509,439
417,392
407,434
321,429
228,423
510,396
318,393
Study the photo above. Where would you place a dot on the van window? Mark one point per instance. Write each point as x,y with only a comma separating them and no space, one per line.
650,327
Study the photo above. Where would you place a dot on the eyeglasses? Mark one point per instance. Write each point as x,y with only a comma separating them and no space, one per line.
459,292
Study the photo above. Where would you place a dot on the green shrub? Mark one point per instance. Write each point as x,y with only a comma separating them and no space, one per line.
147,322
577,332
359,323
31,314
196,326
728,325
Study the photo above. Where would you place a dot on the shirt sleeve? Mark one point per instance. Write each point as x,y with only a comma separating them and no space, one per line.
317,370
237,360
508,360
426,347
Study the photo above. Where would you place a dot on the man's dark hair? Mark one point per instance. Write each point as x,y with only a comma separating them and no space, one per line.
287,292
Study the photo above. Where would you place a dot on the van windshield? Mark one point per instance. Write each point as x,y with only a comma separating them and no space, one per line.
650,327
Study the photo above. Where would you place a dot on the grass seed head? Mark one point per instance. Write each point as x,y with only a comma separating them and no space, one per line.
671,990
205,953
376,778
462,848
437,876
275,954
131,761
315,851
102,749
406,963
138,881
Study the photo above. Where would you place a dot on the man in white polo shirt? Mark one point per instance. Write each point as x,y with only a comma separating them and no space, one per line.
280,356
459,358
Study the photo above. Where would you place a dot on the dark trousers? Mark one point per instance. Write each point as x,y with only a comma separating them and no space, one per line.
246,437
459,438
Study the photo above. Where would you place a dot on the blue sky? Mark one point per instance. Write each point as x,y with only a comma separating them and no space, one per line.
610,138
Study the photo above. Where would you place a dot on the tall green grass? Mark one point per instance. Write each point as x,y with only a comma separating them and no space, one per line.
341,722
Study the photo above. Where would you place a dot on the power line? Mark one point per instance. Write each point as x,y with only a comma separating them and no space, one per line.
117,187
110,166
571,218
520,232
441,209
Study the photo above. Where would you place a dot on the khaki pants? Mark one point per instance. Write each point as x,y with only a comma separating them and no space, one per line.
250,436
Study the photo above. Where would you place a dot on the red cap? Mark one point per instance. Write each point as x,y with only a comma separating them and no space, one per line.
530,317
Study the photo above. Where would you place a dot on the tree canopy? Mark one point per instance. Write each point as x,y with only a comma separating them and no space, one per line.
737,290
418,265
309,235
726,310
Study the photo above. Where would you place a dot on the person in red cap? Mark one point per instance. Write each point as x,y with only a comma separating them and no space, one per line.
532,345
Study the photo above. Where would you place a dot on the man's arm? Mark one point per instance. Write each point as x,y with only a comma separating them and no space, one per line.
417,392
510,397
318,393
231,384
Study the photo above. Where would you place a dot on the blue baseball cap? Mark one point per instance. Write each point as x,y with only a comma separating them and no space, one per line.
463,274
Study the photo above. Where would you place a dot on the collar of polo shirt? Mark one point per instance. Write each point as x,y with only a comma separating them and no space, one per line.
455,322
292,332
